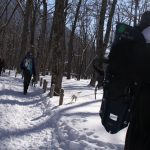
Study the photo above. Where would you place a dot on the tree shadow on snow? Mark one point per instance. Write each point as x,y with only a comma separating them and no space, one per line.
29,99
35,129
15,102
21,132
20,94
51,122
76,87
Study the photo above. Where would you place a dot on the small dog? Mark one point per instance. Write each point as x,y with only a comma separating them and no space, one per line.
73,98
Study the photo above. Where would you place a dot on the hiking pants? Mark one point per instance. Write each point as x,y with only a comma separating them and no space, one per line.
27,78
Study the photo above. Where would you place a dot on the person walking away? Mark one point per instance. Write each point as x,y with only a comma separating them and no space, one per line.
28,69
138,132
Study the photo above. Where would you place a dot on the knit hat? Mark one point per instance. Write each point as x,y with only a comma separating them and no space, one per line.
29,54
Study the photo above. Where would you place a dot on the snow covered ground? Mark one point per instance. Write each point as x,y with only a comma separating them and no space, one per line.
37,122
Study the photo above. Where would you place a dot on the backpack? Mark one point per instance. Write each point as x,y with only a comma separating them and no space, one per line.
28,64
118,87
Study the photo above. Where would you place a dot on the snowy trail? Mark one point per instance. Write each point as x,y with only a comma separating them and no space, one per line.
22,125
36,122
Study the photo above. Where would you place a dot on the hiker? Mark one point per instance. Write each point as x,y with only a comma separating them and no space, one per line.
28,69
138,132
2,64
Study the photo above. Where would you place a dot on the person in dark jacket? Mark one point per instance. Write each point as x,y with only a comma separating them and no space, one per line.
28,69
138,132
2,64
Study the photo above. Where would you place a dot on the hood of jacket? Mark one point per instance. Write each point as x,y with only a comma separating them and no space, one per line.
146,34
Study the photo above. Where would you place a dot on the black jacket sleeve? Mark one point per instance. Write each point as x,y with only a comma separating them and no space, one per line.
141,62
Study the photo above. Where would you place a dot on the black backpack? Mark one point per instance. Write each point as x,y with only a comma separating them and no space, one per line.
118,87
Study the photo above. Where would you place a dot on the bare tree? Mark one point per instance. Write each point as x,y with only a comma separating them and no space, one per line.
41,50
136,9
58,45
84,35
100,33
109,25
4,25
25,31
102,41
70,43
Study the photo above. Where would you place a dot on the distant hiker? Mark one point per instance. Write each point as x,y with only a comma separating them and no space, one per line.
2,64
138,133
28,67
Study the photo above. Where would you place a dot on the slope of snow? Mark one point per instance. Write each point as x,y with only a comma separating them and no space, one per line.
37,122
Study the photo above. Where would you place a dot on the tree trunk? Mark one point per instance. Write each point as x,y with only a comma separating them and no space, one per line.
109,23
25,30
100,43
32,26
41,43
135,14
58,46
49,57
100,34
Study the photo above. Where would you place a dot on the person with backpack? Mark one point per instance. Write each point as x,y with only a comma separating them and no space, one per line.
126,85
138,132
28,69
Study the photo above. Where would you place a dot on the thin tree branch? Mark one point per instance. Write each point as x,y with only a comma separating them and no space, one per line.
21,6
3,26
5,9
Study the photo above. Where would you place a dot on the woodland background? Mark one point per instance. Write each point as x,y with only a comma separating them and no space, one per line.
64,35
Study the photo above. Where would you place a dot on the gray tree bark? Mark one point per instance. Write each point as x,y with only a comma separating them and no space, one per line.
58,46
25,30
